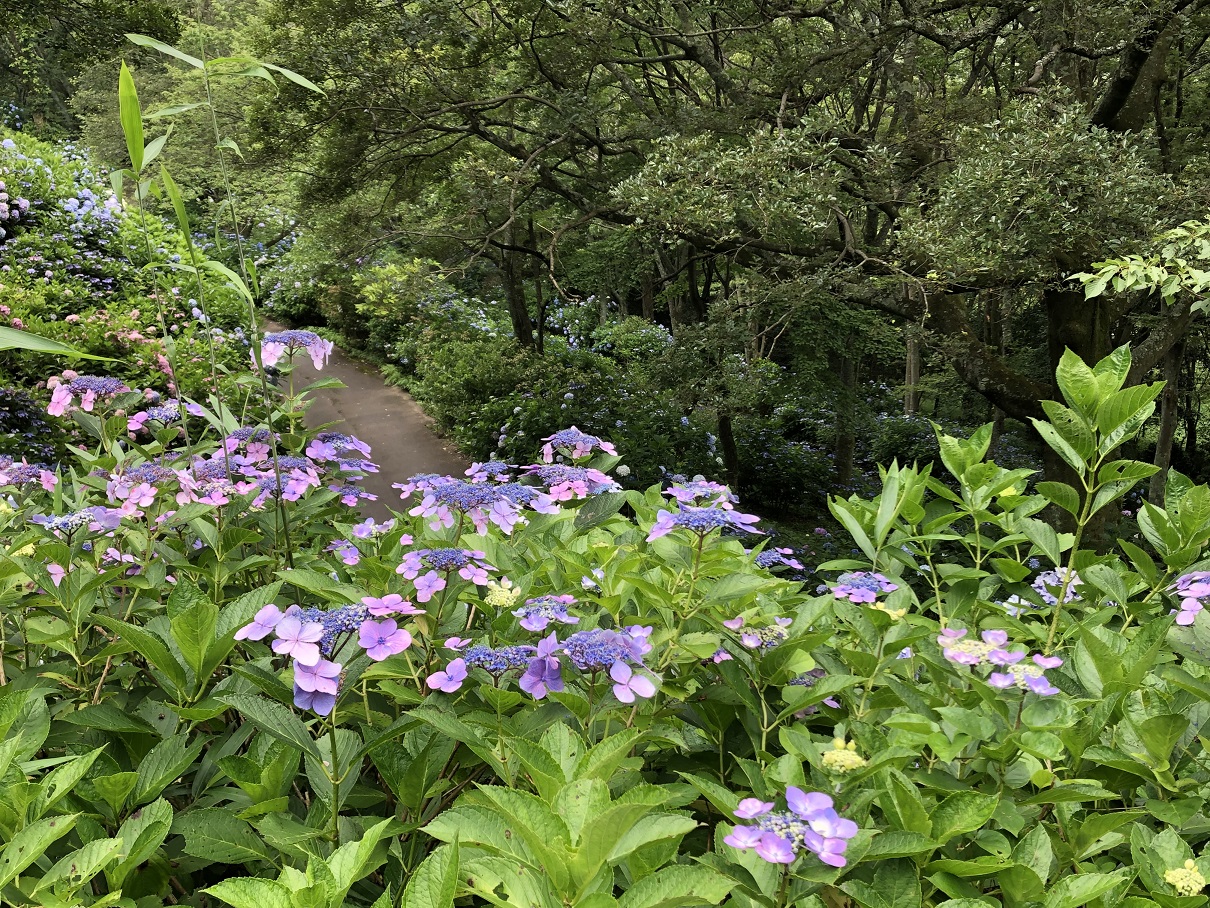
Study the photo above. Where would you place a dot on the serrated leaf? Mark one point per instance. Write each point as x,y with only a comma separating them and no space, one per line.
30,843
246,892
274,719
677,886
218,836
435,881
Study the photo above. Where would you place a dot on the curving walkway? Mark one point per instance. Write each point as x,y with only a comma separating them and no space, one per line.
385,417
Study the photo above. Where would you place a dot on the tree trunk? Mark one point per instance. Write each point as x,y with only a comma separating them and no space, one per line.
846,438
911,377
648,291
514,291
1169,400
540,303
726,440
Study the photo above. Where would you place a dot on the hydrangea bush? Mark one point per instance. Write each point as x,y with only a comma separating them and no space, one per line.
530,687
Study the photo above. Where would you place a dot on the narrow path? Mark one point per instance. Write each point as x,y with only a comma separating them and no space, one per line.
384,417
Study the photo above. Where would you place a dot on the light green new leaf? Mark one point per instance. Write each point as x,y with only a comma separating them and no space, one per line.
132,119
14,339
295,78
145,41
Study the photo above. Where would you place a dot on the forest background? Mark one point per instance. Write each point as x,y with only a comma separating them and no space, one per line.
761,240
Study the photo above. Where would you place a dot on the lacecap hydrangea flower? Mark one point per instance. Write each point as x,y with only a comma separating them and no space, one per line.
1191,589
1014,670
287,343
810,824
862,586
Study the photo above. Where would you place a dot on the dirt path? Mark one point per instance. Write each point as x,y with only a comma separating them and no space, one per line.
385,418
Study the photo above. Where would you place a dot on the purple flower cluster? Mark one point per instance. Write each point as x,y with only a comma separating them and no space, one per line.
19,473
564,483
760,638
287,343
11,209
96,519
862,586
428,569
88,388
701,520
307,636
539,612
702,492
349,452
575,444
810,823
990,649
780,557
1050,583
1191,589
490,471
593,651
445,499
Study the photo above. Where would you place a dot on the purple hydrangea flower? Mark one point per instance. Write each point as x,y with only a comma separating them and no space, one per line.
298,638
575,444
450,679
544,673
810,824
262,624
702,521
539,612
381,639
862,586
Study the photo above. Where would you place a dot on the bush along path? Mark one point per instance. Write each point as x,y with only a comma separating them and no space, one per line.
384,417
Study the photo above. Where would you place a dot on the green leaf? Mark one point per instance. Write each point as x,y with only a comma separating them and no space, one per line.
80,866
132,120
154,147
173,110
246,892
62,780
677,886
31,843
107,717
163,765
193,619
15,339
295,77
1080,889
1078,383
143,833
1043,537
962,812
153,649
274,719
435,881
145,41
218,836
1061,494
